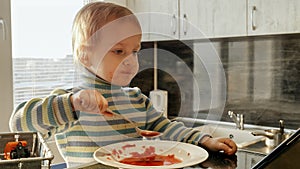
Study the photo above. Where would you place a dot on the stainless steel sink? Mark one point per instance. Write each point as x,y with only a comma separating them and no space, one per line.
242,138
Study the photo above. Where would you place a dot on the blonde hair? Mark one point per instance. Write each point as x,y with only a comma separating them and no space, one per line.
91,18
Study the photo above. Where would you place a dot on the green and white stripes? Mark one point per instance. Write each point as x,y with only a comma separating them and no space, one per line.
78,136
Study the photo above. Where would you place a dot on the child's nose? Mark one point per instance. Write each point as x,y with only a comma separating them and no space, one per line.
130,60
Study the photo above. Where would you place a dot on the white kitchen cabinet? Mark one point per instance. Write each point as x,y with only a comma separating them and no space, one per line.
164,20
141,8
159,19
119,2
273,17
212,19
199,19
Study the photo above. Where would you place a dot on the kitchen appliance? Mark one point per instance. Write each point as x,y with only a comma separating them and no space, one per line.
40,155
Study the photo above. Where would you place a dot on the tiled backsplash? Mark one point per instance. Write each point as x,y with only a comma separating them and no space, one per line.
262,78
268,69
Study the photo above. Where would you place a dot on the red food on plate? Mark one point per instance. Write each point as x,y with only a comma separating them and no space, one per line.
154,160
149,158
128,146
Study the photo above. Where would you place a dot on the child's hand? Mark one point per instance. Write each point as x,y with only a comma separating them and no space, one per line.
90,101
219,144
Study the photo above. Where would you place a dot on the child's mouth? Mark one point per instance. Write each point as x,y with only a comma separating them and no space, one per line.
127,72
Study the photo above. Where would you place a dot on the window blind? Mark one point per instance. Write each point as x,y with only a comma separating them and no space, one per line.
37,77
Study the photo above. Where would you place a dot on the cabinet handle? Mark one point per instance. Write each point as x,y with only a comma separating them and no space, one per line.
253,20
185,25
2,24
174,24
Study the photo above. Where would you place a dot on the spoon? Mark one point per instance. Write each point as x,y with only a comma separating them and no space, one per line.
144,133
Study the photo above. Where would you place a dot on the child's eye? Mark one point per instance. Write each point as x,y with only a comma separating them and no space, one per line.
136,53
119,52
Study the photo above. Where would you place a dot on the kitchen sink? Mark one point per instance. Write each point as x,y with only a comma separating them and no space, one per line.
242,138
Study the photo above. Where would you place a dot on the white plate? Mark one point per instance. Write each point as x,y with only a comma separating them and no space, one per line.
189,154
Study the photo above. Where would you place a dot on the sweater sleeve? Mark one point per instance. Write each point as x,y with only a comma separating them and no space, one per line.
175,131
48,116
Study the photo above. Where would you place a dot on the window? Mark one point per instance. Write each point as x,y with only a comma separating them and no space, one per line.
41,46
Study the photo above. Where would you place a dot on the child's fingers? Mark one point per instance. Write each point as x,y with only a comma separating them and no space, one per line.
104,104
82,101
228,146
77,101
90,101
101,102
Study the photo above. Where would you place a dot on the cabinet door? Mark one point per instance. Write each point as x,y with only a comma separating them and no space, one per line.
119,2
159,19
164,20
212,18
142,8
273,17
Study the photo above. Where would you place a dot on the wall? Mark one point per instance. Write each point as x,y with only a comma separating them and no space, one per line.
263,79
6,99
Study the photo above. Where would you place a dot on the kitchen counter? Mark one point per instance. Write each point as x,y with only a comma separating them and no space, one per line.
244,158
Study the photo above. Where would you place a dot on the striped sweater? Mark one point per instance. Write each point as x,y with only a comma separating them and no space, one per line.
79,134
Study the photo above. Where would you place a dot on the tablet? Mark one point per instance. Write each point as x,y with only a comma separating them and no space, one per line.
284,156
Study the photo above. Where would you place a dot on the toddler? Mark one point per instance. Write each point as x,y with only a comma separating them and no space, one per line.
106,41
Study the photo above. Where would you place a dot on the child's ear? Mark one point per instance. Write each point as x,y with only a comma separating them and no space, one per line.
84,56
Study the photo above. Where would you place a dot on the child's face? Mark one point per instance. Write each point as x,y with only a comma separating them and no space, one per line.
120,64
113,56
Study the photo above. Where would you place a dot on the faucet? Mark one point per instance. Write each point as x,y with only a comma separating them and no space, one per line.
273,136
238,119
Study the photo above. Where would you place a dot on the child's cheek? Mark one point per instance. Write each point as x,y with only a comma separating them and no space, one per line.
110,75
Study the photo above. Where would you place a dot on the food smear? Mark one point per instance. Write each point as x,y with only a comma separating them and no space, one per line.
149,158
147,133
128,146
156,160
